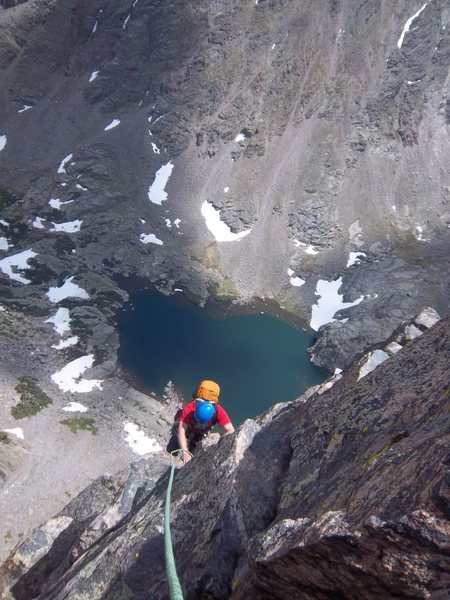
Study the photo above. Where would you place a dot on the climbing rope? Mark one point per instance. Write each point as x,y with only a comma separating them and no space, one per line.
175,591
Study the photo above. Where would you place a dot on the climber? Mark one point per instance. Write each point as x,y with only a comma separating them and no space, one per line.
197,418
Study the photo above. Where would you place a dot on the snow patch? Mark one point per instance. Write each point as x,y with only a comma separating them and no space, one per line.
75,407
62,166
150,239
56,203
177,223
156,193
155,148
295,281
93,76
4,245
113,124
66,290
25,107
38,223
80,187
307,247
3,141
72,341
355,258
408,25
68,227
126,21
17,262
226,189
60,321
68,379
311,250
240,137
17,431
138,441
329,302
219,229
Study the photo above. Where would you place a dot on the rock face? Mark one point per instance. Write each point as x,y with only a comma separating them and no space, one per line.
342,494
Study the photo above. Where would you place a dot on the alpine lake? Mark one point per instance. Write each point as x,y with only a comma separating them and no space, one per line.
256,354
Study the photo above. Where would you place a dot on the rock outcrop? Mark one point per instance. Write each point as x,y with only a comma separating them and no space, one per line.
342,494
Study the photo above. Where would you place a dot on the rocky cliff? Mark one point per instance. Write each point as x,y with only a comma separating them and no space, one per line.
146,137
344,493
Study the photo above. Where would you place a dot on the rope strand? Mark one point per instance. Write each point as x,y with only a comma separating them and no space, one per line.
175,591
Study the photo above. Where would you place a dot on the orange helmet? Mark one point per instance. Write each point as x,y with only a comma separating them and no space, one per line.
208,390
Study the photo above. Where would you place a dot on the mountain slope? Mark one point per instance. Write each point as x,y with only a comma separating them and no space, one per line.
342,119
320,130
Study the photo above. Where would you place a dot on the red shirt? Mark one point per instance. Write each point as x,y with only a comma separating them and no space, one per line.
187,416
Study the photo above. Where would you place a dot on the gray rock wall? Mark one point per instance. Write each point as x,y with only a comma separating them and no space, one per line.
343,493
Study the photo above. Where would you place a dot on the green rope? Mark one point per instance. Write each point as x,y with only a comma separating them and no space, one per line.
175,591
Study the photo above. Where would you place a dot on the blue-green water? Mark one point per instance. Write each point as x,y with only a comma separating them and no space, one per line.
258,359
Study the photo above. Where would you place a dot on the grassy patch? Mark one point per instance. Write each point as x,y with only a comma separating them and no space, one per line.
373,459
226,290
4,439
209,257
8,537
32,398
80,424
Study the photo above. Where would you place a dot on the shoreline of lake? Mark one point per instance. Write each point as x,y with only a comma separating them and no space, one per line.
258,356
